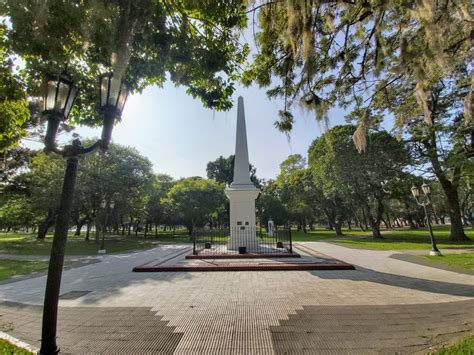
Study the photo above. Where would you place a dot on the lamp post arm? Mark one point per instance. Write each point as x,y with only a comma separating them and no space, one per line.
91,148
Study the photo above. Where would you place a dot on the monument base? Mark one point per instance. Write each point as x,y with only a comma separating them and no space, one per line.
247,238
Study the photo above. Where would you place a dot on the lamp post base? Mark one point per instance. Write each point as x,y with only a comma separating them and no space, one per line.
53,350
435,253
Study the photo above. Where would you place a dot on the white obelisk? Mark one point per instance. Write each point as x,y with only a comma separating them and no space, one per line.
242,192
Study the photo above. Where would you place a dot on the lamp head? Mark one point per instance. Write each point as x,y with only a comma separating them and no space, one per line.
58,98
59,95
426,189
113,94
415,191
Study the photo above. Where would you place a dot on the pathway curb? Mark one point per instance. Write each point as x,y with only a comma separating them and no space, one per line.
19,343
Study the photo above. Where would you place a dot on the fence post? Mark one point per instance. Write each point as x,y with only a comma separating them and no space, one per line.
194,242
291,243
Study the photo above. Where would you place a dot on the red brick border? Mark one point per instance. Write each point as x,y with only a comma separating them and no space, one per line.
245,267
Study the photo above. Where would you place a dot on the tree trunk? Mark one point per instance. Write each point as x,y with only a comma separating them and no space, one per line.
79,225
338,229
389,222
46,224
450,187
364,219
410,222
375,230
375,221
397,222
137,224
97,232
88,230
454,211
130,226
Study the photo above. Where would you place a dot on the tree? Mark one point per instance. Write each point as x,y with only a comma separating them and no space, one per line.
45,177
15,213
194,44
446,144
156,208
14,112
341,170
291,188
15,162
269,205
372,58
343,53
195,199
122,175
222,171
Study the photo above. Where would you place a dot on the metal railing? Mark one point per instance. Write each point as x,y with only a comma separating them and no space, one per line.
242,240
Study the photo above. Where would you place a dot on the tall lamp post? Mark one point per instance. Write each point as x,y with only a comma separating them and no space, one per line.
416,194
106,219
59,96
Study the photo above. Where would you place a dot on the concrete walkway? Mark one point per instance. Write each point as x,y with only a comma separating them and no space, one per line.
385,305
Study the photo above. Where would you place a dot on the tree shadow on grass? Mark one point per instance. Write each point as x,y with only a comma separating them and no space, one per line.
363,274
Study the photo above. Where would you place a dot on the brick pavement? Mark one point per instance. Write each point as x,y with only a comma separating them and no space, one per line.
384,305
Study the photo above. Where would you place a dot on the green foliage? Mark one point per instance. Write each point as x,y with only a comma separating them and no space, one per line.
7,348
269,206
292,189
222,170
16,212
366,178
327,54
121,175
194,200
9,268
407,239
463,260
464,347
194,44
156,209
13,115
14,112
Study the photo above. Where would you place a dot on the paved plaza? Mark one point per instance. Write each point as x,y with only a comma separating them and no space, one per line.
385,305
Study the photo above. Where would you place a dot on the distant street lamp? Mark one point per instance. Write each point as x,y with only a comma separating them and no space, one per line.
104,207
59,96
416,194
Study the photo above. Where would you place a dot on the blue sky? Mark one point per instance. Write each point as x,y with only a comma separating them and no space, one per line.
180,137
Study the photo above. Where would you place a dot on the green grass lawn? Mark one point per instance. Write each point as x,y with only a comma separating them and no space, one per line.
27,244
405,239
321,234
464,347
464,260
9,268
10,349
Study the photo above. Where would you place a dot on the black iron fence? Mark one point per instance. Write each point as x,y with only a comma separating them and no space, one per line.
242,240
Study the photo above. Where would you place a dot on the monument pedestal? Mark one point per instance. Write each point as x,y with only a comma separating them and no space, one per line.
242,217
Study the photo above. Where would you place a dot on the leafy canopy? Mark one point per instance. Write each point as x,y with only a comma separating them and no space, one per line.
321,54
192,43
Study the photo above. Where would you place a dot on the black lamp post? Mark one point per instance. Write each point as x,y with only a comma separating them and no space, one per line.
416,194
59,96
